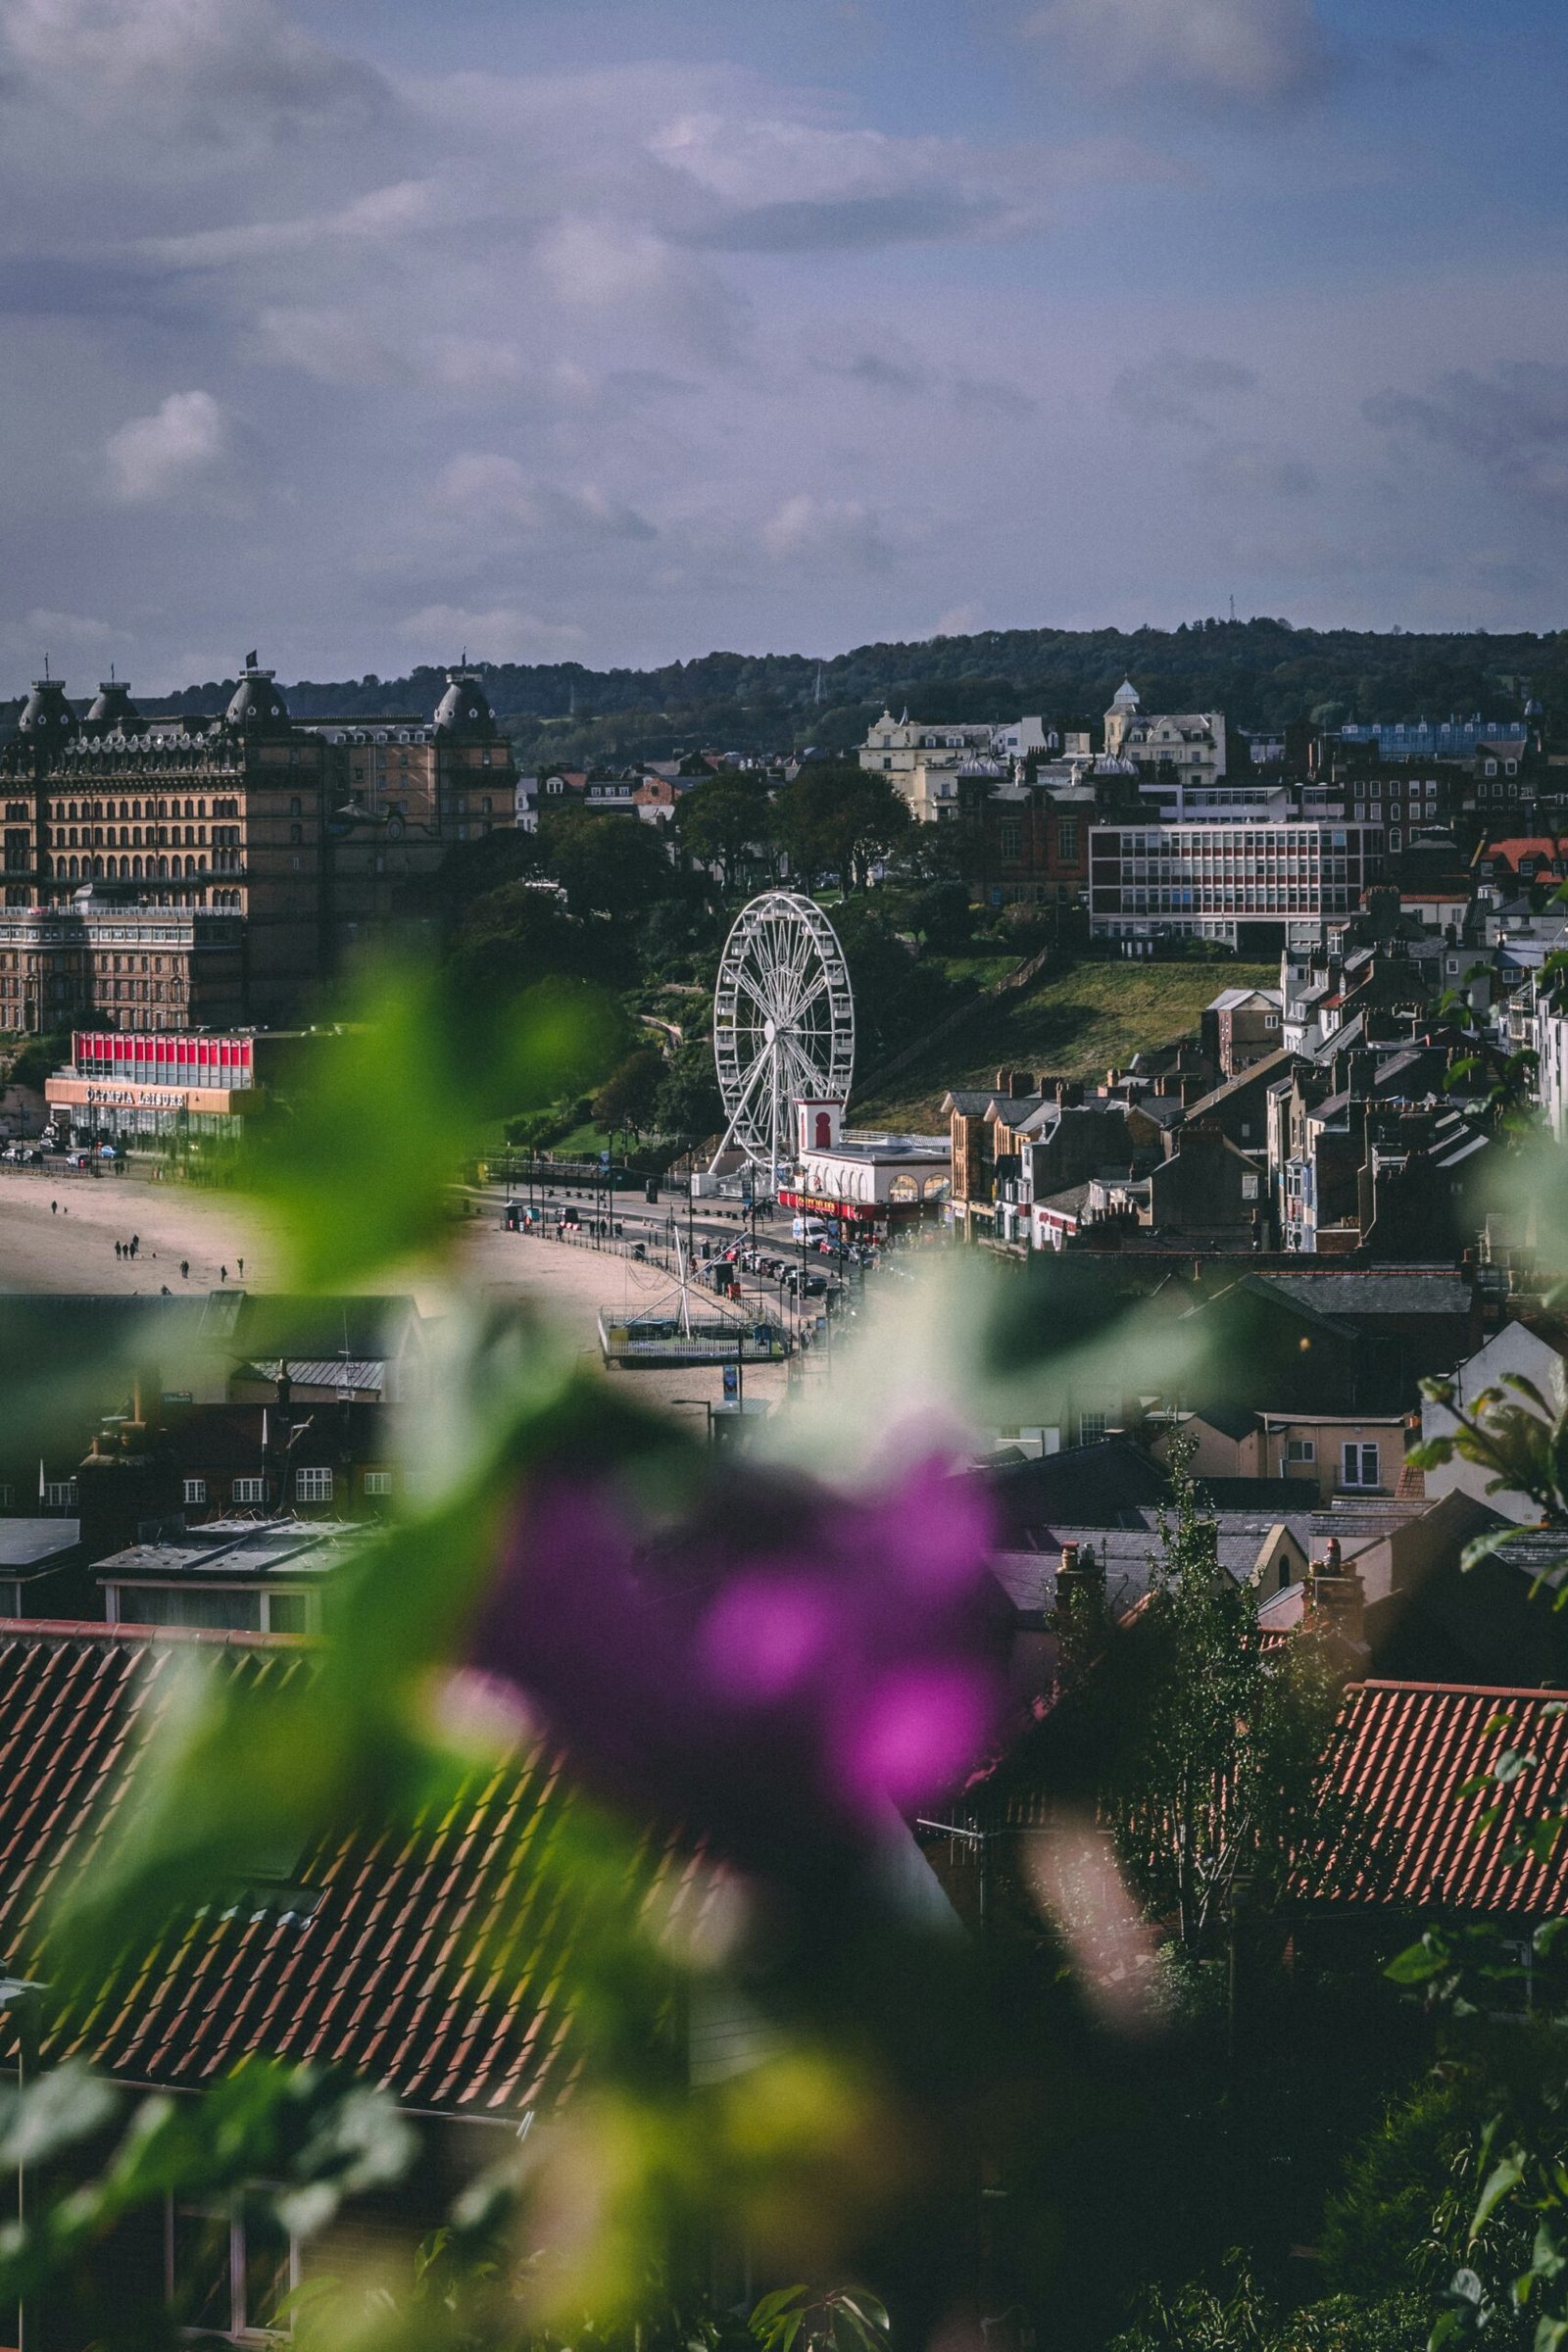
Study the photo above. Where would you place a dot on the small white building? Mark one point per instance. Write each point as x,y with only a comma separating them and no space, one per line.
874,1181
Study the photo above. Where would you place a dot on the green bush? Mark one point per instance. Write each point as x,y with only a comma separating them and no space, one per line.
1236,2315
1398,2218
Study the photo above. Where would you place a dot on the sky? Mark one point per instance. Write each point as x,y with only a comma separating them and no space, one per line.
368,331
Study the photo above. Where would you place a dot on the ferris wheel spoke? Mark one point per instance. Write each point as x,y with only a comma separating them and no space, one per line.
792,1016
759,998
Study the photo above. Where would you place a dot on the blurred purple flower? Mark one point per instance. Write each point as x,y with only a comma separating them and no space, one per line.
775,1673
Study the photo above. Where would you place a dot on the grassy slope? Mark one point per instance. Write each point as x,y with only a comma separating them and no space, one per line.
1074,1024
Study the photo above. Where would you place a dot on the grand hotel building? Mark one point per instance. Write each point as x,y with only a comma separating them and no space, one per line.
203,871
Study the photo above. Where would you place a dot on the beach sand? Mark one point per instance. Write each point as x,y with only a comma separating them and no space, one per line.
71,1249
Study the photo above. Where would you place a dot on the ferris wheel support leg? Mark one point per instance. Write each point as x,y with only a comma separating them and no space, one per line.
735,1114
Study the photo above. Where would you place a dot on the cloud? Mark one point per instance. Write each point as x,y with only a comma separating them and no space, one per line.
992,396
385,215
890,366
493,633
222,71
850,223
1513,423
479,486
331,345
1523,406
1178,387
61,635
958,621
779,183
184,443
628,271
1247,470
826,532
1260,52
894,367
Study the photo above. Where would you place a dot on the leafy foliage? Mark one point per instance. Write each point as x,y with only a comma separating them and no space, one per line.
1236,2314
838,820
1217,1778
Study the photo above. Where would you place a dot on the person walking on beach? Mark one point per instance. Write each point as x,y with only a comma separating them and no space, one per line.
241,1264
54,1208
184,1270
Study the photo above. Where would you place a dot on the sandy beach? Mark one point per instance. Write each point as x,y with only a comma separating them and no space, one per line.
58,1233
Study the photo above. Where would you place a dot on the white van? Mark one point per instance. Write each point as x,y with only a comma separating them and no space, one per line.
809,1229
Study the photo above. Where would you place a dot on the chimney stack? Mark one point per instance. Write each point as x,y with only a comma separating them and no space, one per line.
1335,1601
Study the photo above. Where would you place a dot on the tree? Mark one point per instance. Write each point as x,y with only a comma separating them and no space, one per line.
841,820
612,865
723,818
688,1102
520,934
896,995
471,870
629,1094
1219,1773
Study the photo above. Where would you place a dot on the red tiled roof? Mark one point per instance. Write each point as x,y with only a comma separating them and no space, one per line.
1522,845
424,1965
1410,1839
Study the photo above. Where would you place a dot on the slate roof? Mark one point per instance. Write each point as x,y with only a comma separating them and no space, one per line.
369,1959
1029,1577
34,1542
1231,1420
1258,1073
1405,1751
1375,1292
1083,1487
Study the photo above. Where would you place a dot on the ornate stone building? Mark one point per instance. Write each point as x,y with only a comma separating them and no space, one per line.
198,871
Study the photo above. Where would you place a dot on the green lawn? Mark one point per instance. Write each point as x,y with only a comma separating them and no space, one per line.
1070,1025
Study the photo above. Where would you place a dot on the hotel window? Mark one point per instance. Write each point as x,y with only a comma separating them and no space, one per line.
60,1494
1301,1449
248,1491
1090,1428
1359,1466
313,1485
195,1489
378,1481
1010,837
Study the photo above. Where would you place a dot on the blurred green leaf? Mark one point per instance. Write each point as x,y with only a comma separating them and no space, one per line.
383,1113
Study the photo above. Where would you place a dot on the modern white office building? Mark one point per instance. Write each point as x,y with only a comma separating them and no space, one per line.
1250,886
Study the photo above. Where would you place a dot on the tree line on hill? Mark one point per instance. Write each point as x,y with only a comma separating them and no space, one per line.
1261,672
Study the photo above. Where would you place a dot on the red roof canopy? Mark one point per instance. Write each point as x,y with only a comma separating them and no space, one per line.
366,1962
1412,1841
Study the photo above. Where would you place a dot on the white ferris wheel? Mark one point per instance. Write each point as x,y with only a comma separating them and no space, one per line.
783,1024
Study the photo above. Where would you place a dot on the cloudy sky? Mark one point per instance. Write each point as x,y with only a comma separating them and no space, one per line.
618,332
